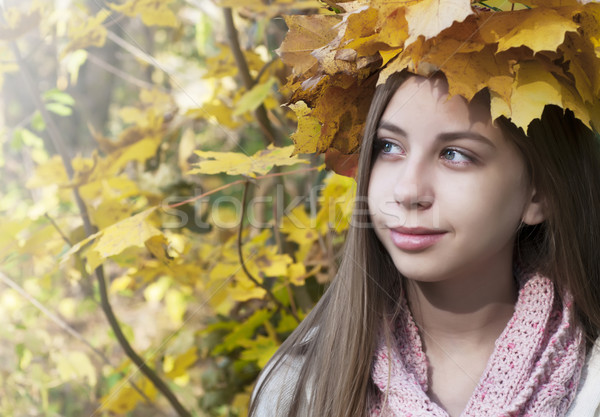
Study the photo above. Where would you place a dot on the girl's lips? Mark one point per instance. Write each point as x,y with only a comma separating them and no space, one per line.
412,241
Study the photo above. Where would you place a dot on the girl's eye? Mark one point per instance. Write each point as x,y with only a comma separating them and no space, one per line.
456,157
386,147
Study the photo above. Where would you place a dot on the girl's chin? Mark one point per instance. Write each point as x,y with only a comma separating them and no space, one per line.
424,271
422,276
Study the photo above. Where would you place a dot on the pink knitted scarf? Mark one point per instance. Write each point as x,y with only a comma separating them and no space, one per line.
533,371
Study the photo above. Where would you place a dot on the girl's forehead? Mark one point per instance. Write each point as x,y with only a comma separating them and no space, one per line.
421,99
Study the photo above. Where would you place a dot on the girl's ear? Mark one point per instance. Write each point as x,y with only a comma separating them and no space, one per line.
535,211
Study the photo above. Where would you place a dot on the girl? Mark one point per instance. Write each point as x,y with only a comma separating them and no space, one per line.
470,283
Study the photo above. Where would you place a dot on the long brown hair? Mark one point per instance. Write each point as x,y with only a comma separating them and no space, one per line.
335,342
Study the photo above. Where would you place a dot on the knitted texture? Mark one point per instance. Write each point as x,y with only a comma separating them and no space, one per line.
533,371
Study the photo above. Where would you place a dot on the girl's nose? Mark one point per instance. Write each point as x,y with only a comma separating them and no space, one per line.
413,187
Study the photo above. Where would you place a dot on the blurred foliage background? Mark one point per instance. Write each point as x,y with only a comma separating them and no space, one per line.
157,241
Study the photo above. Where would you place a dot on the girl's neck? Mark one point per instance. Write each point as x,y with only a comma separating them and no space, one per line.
473,308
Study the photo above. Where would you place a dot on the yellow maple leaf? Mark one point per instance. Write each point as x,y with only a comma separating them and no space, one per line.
110,188
139,151
244,290
299,228
534,87
297,273
152,12
223,64
176,305
51,172
541,30
176,367
89,33
337,203
19,22
429,17
235,163
393,27
109,212
468,73
308,132
159,247
215,109
124,398
269,263
74,365
133,231
122,401
223,270
498,5
306,34
583,65
342,112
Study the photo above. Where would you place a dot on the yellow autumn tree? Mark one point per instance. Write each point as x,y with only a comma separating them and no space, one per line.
161,234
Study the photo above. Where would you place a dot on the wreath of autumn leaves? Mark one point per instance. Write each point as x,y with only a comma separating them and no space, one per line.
526,54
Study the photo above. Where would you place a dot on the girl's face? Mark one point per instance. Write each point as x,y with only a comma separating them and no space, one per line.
442,166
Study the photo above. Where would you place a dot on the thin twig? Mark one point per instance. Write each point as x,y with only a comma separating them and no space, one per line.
292,302
63,325
265,68
246,271
119,73
59,145
260,113
135,51
58,229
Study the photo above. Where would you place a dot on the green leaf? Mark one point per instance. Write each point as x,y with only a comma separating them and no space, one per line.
260,350
243,332
254,97
32,140
37,122
59,109
58,96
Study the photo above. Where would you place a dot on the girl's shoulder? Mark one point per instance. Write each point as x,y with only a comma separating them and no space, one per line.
279,379
587,400
276,384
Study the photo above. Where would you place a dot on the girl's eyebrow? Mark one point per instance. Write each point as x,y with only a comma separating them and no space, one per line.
442,137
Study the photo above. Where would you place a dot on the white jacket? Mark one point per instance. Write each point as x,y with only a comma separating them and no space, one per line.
587,400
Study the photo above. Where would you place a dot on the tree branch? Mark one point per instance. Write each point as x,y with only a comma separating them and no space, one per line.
260,113
59,145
